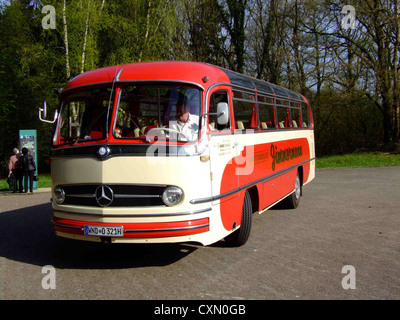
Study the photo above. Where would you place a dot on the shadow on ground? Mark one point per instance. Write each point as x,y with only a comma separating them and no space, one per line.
26,235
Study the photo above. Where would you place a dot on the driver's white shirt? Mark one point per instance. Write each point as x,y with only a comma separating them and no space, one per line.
188,131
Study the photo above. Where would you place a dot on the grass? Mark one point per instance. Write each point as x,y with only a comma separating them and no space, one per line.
44,182
353,160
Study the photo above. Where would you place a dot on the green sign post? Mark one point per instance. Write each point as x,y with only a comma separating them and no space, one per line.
27,139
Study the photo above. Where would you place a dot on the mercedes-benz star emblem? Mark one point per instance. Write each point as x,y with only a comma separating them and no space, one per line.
103,151
104,196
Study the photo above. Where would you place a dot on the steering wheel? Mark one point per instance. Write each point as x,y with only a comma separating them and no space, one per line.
151,131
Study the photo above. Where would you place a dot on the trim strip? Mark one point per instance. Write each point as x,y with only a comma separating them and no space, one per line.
119,149
140,230
59,225
150,215
262,180
131,81
117,196
168,229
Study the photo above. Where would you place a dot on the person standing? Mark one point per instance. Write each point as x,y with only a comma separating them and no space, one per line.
14,168
28,169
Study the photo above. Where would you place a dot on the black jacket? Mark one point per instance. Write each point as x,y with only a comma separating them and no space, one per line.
28,163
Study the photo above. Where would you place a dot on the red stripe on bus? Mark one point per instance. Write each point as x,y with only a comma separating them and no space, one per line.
138,230
257,162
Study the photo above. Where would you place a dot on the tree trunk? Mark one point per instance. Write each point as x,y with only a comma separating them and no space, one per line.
396,91
298,59
85,39
67,67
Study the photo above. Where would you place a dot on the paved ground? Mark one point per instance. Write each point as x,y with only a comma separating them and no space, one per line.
346,217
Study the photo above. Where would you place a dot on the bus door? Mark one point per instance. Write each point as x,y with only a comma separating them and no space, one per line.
223,150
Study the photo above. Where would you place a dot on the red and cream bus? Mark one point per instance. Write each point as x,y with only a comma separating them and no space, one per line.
175,152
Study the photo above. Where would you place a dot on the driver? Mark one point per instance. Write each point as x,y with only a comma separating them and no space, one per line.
187,124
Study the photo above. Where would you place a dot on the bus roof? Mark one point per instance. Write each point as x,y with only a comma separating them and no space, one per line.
199,73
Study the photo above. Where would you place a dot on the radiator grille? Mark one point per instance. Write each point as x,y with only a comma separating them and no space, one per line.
113,195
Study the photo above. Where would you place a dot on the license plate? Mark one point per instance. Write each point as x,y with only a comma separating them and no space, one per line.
104,231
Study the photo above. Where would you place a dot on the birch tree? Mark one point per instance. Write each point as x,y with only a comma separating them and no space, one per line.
65,36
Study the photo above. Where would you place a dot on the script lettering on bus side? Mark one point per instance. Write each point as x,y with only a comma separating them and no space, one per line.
282,155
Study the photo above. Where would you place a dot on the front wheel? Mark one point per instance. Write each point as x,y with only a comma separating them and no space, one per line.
240,236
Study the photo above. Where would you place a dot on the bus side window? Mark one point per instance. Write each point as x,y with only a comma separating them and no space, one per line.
266,112
216,97
305,116
299,122
245,110
283,117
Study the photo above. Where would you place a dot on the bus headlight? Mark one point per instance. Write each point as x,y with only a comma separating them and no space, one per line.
172,196
59,195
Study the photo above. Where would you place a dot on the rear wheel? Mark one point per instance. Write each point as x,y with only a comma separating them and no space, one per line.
292,201
240,236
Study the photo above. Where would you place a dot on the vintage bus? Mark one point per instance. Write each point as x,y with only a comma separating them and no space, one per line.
162,152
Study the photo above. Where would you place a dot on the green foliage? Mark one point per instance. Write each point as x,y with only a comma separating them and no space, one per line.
359,160
344,122
26,78
350,77
44,182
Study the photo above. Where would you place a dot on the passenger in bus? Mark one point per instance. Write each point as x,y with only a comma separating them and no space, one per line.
153,124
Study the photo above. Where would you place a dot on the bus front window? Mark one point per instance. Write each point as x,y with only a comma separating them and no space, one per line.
160,111
83,116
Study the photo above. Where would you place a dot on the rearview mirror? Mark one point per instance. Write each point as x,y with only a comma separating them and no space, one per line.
222,113
44,112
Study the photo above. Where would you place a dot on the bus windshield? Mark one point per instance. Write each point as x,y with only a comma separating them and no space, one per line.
162,111
84,115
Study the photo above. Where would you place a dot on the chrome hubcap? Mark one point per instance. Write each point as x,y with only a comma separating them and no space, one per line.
297,190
